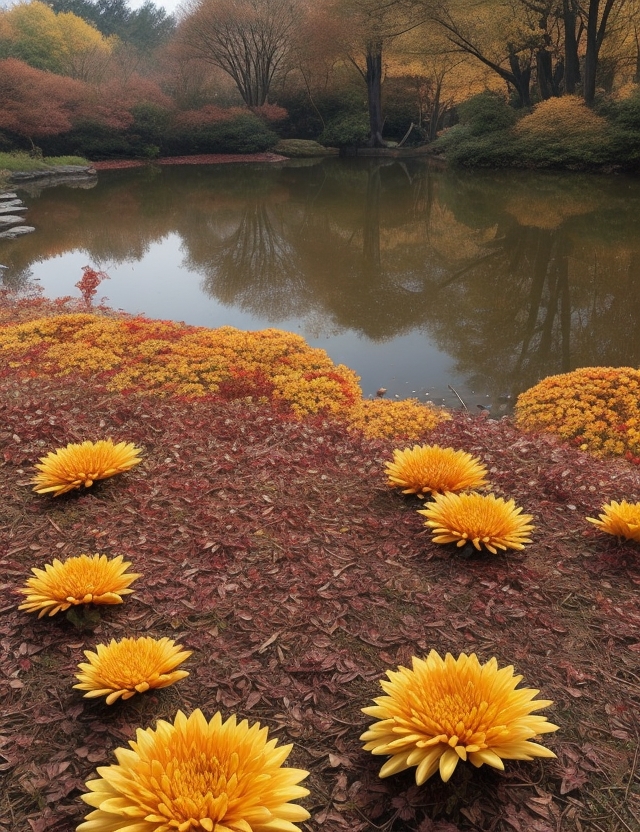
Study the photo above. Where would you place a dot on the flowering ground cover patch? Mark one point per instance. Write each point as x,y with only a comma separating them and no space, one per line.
275,551
141,356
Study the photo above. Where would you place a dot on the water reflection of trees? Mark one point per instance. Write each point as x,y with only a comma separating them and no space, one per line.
563,290
515,275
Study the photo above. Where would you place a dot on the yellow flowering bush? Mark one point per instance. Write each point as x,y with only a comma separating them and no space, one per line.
382,418
171,358
596,408
168,358
559,118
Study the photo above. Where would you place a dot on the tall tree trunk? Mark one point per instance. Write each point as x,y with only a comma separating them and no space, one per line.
571,60
373,77
545,74
591,57
595,35
521,80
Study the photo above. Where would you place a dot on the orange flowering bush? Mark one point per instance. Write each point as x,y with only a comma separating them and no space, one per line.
168,358
596,408
382,418
172,358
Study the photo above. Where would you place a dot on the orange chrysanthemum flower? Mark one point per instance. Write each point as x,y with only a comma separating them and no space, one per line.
484,520
86,579
621,519
426,469
83,464
446,710
133,665
196,775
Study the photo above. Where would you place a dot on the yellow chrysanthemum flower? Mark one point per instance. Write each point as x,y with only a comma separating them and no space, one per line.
446,710
621,519
426,469
133,665
86,579
484,520
197,775
83,464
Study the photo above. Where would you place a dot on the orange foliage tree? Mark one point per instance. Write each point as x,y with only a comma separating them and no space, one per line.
37,103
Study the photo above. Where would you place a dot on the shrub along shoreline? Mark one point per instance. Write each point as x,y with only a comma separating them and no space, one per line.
561,133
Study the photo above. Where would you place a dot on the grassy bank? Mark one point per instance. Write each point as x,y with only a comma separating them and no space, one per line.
272,547
23,161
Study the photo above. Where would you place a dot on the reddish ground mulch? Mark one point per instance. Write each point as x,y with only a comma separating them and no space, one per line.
203,159
274,550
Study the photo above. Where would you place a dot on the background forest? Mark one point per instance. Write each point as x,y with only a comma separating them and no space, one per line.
502,82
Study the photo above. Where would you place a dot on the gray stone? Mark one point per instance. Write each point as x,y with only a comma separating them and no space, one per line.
10,220
8,196
16,231
58,171
12,206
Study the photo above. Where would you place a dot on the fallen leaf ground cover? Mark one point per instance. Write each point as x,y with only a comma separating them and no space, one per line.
273,549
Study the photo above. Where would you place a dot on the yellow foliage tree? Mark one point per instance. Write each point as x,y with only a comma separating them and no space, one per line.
64,43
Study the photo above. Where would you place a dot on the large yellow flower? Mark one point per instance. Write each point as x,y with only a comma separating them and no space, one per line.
484,520
133,665
83,464
86,579
427,469
447,710
197,775
621,519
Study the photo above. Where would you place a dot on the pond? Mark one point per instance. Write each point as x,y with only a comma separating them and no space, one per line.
420,279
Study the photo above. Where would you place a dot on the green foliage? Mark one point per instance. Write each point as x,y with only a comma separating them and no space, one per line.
400,109
245,133
486,113
91,139
145,28
150,123
627,114
23,161
307,119
351,130
463,147
301,149
558,133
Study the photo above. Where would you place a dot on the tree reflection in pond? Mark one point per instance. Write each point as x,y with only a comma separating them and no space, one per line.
515,275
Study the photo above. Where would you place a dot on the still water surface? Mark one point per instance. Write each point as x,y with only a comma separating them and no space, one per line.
416,278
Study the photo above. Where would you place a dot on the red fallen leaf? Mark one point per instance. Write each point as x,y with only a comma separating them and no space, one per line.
253,699
572,779
405,810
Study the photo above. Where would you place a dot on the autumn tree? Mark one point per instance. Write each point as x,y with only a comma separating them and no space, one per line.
315,56
370,26
61,43
191,82
437,77
494,34
146,28
37,103
250,40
